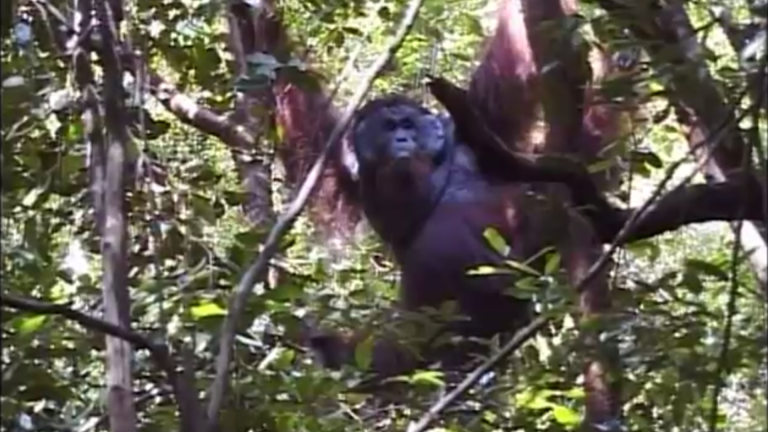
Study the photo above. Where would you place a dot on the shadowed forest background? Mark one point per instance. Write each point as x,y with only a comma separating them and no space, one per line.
154,173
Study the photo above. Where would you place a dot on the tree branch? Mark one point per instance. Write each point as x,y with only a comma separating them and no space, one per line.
181,105
189,112
89,322
159,352
670,40
114,232
254,29
520,337
256,272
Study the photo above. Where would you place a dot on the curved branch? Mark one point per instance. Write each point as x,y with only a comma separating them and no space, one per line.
723,201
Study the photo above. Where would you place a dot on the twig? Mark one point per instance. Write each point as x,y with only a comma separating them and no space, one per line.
89,322
722,362
257,270
517,340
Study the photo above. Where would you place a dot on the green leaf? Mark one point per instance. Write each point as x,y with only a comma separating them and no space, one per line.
525,287
285,292
428,377
337,38
600,166
539,402
31,324
33,196
353,31
278,358
553,263
706,268
473,25
575,393
692,282
250,238
496,241
384,13
485,270
645,157
203,207
566,416
206,310
70,165
642,247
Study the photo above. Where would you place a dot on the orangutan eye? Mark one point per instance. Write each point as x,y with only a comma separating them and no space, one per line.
407,123
390,125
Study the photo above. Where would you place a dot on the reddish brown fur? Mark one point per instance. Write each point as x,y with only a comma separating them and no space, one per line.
307,120
503,86
384,199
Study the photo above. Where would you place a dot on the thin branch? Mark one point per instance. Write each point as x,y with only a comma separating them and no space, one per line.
159,352
91,116
257,270
722,361
89,322
520,337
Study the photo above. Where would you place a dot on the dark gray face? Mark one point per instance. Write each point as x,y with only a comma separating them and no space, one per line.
398,131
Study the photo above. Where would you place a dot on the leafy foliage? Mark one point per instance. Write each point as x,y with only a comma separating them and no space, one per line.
190,242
